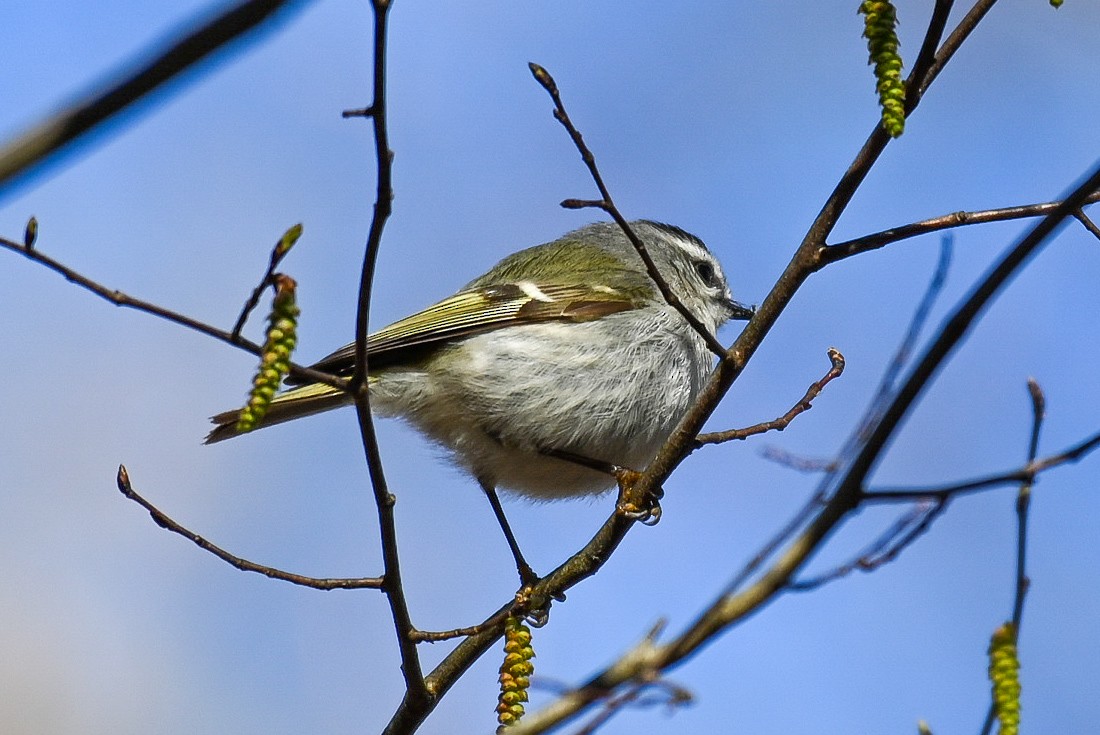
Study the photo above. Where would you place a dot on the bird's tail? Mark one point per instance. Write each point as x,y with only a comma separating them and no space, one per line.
293,404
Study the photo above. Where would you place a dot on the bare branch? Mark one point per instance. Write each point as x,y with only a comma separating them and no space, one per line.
781,423
874,241
1023,503
1024,474
118,298
916,84
494,621
1088,223
277,254
415,690
798,463
61,129
735,605
886,548
641,695
244,565
607,204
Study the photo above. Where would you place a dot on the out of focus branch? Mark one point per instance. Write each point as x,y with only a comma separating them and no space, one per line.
61,129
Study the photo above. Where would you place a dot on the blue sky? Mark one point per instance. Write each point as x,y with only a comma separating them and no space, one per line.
729,119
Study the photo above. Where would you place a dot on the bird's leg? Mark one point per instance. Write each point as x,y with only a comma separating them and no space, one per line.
646,510
527,575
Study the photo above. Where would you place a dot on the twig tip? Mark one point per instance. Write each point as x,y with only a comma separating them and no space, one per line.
30,233
123,480
1038,398
543,77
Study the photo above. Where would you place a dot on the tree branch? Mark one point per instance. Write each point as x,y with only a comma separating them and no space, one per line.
874,241
118,298
734,606
607,204
804,404
1023,503
1025,474
415,690
58,131
162,520
1088,223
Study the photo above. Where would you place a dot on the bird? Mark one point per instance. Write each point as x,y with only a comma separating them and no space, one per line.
561,361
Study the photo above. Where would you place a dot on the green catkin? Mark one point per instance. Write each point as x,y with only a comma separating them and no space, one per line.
515,672
880,20
282,337
1004,674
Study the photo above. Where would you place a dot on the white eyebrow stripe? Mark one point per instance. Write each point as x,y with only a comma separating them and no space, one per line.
692,249
534,291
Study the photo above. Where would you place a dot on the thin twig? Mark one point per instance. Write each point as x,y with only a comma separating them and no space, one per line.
118,298
1024,474
937,24
278,252
607,204
1088,223
415,690
61,129
494,621
1023,503
885,549
874,241
781,423
799,463
638,696
244,565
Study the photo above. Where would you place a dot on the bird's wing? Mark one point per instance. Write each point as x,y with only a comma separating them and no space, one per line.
482,309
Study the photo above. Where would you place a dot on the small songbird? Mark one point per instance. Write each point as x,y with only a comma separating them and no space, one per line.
565,349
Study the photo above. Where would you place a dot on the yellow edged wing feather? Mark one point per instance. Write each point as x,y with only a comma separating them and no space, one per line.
479,310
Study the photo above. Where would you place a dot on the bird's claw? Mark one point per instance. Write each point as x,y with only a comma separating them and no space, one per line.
645,509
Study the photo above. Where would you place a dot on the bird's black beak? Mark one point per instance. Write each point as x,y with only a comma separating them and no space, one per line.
740,311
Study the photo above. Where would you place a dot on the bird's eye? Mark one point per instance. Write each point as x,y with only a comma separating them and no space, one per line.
707,273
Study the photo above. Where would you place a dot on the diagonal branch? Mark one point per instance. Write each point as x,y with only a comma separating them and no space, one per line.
607,204
736,605
804,404
586,562
1087,223
1023,503
118,298
58,131
162,520
886,548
